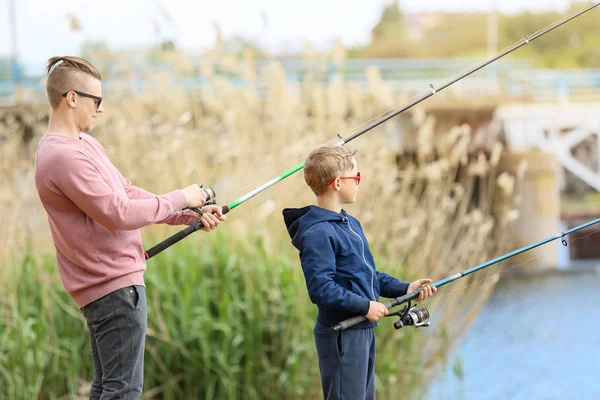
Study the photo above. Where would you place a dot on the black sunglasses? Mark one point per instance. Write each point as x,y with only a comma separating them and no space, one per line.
91,96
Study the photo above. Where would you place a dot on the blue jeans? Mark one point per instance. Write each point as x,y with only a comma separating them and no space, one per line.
117,326
346,363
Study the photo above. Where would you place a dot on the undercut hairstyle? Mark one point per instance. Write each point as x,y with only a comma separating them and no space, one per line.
66,73
326,163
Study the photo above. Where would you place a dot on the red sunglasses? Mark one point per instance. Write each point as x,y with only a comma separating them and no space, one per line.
356,178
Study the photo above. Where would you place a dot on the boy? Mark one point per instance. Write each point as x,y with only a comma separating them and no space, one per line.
340,274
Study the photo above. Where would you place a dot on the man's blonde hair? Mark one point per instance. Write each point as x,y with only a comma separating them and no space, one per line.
326,163
64,74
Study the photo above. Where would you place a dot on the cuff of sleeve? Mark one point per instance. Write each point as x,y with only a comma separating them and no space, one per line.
400,288
364,307
188,217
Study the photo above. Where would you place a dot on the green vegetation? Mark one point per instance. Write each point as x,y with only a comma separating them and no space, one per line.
573,45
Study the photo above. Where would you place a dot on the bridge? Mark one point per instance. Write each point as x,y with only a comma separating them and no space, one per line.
559,117
569,131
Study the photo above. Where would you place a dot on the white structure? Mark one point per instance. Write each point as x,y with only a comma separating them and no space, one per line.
554,129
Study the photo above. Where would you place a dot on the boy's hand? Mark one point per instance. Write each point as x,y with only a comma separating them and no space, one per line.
376,310
426,292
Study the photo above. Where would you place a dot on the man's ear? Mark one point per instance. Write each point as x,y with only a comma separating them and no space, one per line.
71,99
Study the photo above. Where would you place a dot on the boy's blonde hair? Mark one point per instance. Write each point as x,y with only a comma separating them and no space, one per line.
326,163
64,74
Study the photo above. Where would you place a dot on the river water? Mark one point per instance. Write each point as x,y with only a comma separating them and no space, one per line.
538,337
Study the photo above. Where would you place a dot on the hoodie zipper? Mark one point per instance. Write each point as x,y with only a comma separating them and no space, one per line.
364,258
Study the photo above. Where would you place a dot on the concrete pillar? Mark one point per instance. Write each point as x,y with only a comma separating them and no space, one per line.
539,209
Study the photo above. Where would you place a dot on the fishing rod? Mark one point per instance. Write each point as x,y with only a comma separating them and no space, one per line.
419,317
432,90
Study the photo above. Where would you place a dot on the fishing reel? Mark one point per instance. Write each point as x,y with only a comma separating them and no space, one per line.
211,198
411,315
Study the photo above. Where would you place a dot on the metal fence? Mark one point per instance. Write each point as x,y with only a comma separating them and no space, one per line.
507,78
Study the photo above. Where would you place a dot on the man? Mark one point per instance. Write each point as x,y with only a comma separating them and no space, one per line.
95,215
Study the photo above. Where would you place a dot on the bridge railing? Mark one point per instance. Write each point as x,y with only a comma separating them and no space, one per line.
507,78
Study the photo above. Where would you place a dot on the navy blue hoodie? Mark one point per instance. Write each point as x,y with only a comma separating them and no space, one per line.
339,269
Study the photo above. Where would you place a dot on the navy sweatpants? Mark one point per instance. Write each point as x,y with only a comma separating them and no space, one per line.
346,363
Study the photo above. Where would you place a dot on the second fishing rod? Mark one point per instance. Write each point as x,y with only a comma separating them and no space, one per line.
418,99
419,317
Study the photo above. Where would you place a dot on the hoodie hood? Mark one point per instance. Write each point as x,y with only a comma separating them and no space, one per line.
298,220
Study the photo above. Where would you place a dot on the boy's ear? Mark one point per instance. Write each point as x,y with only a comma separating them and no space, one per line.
336,184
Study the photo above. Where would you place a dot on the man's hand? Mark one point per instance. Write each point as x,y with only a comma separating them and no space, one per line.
427,290
210,217
376,310
195,196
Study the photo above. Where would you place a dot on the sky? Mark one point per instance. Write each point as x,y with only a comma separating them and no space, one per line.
43,28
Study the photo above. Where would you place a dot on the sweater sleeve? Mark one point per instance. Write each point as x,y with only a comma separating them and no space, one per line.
181,217
82,183
318,263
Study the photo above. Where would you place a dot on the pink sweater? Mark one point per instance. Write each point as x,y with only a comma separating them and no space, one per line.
95,215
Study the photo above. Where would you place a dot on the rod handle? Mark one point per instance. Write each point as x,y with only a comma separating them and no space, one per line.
347,323
170,241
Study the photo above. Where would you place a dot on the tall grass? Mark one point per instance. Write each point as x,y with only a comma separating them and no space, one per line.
228,319
227,322
43,353
228,312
